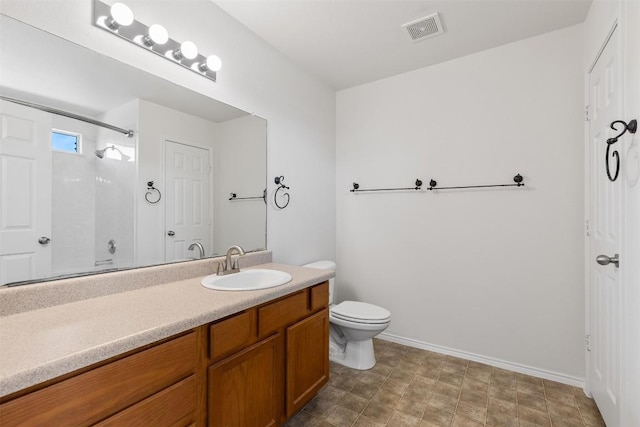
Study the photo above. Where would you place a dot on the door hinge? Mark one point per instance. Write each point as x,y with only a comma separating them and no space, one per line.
586,113
588,231
587,342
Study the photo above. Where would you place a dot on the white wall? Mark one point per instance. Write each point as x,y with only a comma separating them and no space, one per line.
240,168
255,77
115,189
73,201
497,273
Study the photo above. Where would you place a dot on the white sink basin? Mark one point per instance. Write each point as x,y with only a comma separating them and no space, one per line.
247,280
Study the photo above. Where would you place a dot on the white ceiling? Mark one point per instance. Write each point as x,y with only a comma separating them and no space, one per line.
346,43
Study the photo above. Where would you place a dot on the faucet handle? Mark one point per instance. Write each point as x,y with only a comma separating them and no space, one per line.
220,268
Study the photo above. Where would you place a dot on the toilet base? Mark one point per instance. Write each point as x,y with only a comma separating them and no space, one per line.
354,354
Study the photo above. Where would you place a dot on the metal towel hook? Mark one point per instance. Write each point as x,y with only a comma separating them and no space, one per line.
279,181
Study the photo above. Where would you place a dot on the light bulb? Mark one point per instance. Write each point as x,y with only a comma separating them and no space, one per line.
157,35
189,50
212,63
120,16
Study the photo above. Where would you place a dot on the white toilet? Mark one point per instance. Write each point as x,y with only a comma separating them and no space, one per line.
352,327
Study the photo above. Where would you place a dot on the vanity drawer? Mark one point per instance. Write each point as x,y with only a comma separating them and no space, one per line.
232,334
319,296
101,392
173,406
282,313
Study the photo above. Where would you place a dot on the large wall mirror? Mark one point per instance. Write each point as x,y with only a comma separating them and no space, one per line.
78,198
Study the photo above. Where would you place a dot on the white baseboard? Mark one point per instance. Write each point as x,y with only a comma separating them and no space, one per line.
516,367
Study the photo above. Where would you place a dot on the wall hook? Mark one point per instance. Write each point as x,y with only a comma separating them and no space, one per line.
151,193
279,180
631,127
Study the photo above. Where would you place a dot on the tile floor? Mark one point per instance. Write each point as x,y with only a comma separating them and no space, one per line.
413,387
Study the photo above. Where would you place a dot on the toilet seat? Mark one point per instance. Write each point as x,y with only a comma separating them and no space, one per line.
360,312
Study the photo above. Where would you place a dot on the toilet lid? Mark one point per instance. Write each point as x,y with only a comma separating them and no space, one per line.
360,311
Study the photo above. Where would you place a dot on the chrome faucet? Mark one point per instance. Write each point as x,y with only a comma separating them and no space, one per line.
229,266
199,246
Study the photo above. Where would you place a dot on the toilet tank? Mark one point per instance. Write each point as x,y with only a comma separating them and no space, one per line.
325,265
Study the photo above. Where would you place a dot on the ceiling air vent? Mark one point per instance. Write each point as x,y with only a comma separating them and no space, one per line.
424,28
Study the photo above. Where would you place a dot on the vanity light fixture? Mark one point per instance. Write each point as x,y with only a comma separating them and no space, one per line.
118,20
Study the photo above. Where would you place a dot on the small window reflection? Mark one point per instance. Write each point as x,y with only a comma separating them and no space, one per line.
65,141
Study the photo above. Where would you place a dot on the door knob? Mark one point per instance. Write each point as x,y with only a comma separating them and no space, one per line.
171,233
606,260
44,240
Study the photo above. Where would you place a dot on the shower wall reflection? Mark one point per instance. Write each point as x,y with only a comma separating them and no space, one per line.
91,200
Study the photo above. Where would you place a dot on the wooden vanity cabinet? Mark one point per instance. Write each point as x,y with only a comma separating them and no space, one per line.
253,369
280,360
123,391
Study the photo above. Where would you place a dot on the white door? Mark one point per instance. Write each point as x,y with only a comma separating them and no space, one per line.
25,193
605,227
187,207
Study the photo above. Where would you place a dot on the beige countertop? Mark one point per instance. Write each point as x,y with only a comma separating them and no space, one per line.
44,343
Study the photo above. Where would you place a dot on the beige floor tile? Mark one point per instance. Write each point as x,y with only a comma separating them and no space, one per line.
364,390
504,392
564,397
533,401
475,385
459,421
452,378
440,401
400,419
383,397
395,386
557,387
478,374
436,417
530,388
533,416
342,417
472,412
402,375
363,421
415,408
447,389
480,366
476,398
378,412
455,368
354,402
320,408
331,393
560,421
412,387
418,392
593,420
563,411
457,360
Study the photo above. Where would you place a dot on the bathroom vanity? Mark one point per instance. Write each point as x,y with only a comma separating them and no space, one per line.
244,358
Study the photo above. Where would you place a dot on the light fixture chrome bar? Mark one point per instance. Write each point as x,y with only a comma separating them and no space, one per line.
52,110
138,34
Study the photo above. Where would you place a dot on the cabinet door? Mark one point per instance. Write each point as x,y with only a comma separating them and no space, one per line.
307,359
246,389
